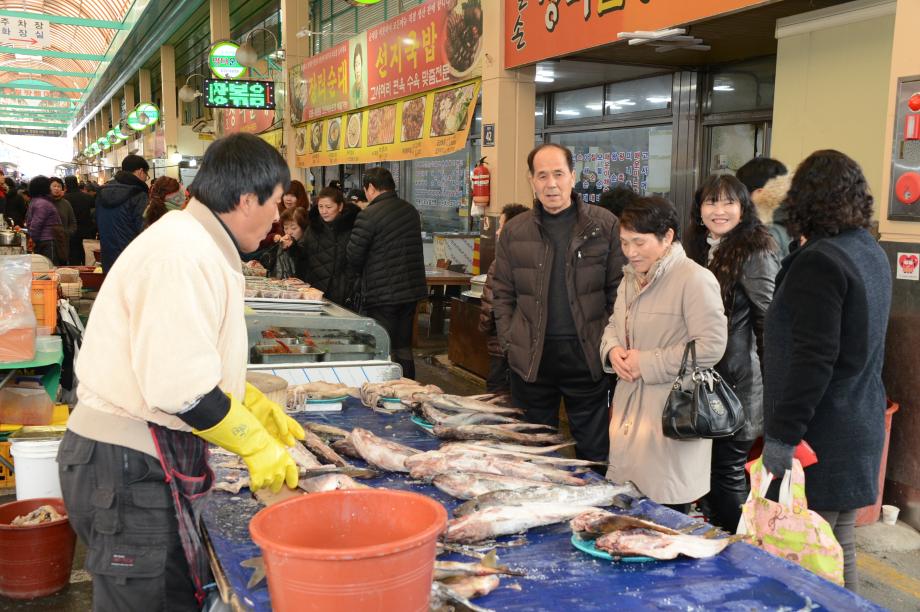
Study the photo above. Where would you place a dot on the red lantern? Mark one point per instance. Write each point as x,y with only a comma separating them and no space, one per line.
482,179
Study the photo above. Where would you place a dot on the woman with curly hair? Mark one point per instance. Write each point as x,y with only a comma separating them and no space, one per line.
824,345
728,237
166,194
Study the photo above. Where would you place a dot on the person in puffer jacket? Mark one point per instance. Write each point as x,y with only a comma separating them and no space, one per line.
768,180
385,249
325,241
120,208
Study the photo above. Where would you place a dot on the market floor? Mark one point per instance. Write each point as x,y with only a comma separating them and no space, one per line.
888,556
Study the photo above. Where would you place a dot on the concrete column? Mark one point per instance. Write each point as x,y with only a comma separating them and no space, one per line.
295,15
169,113
508,98
143,79
220,19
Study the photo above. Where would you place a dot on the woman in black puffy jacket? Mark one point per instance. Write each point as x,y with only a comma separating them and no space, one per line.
331,221
727,237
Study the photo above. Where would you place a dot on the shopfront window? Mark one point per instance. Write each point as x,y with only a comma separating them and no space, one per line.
639,158
747,86
538,113
578,104
640,95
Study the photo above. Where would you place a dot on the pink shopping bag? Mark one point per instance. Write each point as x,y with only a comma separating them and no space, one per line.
788,528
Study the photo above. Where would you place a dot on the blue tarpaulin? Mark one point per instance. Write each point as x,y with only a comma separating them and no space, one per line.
558,577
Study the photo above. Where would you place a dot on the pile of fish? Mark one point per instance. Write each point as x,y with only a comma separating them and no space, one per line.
403,393
456,583
624,536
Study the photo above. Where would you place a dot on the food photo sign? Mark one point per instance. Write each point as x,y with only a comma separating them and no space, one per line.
431,124
433,45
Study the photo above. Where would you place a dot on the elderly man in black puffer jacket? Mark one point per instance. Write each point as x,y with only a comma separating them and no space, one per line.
385,250
557,270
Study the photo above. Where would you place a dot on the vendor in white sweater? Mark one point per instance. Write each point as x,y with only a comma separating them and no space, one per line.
162,369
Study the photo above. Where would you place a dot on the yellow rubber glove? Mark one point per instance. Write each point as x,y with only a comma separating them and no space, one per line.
269,463
285,429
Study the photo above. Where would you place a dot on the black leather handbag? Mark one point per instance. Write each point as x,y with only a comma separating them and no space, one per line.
709,410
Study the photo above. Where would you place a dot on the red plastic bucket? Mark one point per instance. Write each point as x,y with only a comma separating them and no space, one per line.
870,514
367,549
34,561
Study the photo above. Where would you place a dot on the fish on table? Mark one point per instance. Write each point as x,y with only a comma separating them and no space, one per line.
426,466
384,454
505,520
468,485
658,545
439,417
487,566
407,391
459,403
597,522
445,599
535,458
599,493
516,433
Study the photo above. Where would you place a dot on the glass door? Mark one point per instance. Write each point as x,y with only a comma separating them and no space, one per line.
731,146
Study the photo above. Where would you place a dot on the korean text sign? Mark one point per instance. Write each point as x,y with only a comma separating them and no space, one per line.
535,30
429,46
222,93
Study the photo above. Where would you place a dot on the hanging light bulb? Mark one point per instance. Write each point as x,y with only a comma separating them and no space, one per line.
187,93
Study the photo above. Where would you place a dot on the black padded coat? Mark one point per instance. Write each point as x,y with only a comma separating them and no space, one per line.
385,252
324,253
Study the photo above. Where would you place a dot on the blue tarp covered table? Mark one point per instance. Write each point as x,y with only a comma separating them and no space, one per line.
559,577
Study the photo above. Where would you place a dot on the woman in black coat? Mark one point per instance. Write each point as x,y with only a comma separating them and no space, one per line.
331,221
825,343
728,238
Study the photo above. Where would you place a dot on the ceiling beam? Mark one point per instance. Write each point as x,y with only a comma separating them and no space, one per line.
42,87
10,122
90,57
52,98
37,109
76,21
7,110
49,72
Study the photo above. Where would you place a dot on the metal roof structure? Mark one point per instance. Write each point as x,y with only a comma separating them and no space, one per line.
44,83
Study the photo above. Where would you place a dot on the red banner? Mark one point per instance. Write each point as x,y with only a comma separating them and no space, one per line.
247,120
432,45
541,29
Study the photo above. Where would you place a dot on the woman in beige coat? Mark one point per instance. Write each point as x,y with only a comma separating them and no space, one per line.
664,301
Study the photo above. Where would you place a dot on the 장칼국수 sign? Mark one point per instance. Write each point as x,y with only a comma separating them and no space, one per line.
221,93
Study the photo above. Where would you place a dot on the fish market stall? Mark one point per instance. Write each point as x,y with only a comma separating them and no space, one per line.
554,574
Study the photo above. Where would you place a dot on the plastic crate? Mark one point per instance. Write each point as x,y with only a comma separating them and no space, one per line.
44,299
7,479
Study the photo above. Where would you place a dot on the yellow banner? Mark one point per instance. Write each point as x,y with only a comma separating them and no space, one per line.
428,125
272,137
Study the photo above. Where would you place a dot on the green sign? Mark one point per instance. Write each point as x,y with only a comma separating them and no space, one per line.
104,143
144,114
221,93
222,61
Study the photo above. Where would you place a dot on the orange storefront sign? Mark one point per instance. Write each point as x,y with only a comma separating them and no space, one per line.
540,29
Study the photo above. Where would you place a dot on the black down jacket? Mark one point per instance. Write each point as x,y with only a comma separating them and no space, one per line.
120,207
385,249
741,364
520,284
324,251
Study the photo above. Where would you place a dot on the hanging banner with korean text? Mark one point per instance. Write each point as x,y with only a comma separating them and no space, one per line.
427,125
535,30
432,45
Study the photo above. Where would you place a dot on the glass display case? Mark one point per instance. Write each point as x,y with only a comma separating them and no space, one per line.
324,333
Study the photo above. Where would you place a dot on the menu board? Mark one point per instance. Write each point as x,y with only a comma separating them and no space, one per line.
438,183
598,171
435,44
432,124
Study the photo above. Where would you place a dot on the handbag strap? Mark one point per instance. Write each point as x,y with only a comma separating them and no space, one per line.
689,350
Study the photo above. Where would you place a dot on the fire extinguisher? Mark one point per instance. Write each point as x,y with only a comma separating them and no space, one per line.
482,180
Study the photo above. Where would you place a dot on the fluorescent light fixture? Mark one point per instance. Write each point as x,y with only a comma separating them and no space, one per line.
543,79
25,58
595,107
623,102
659,99
723,88
569,112
538,114
192,163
